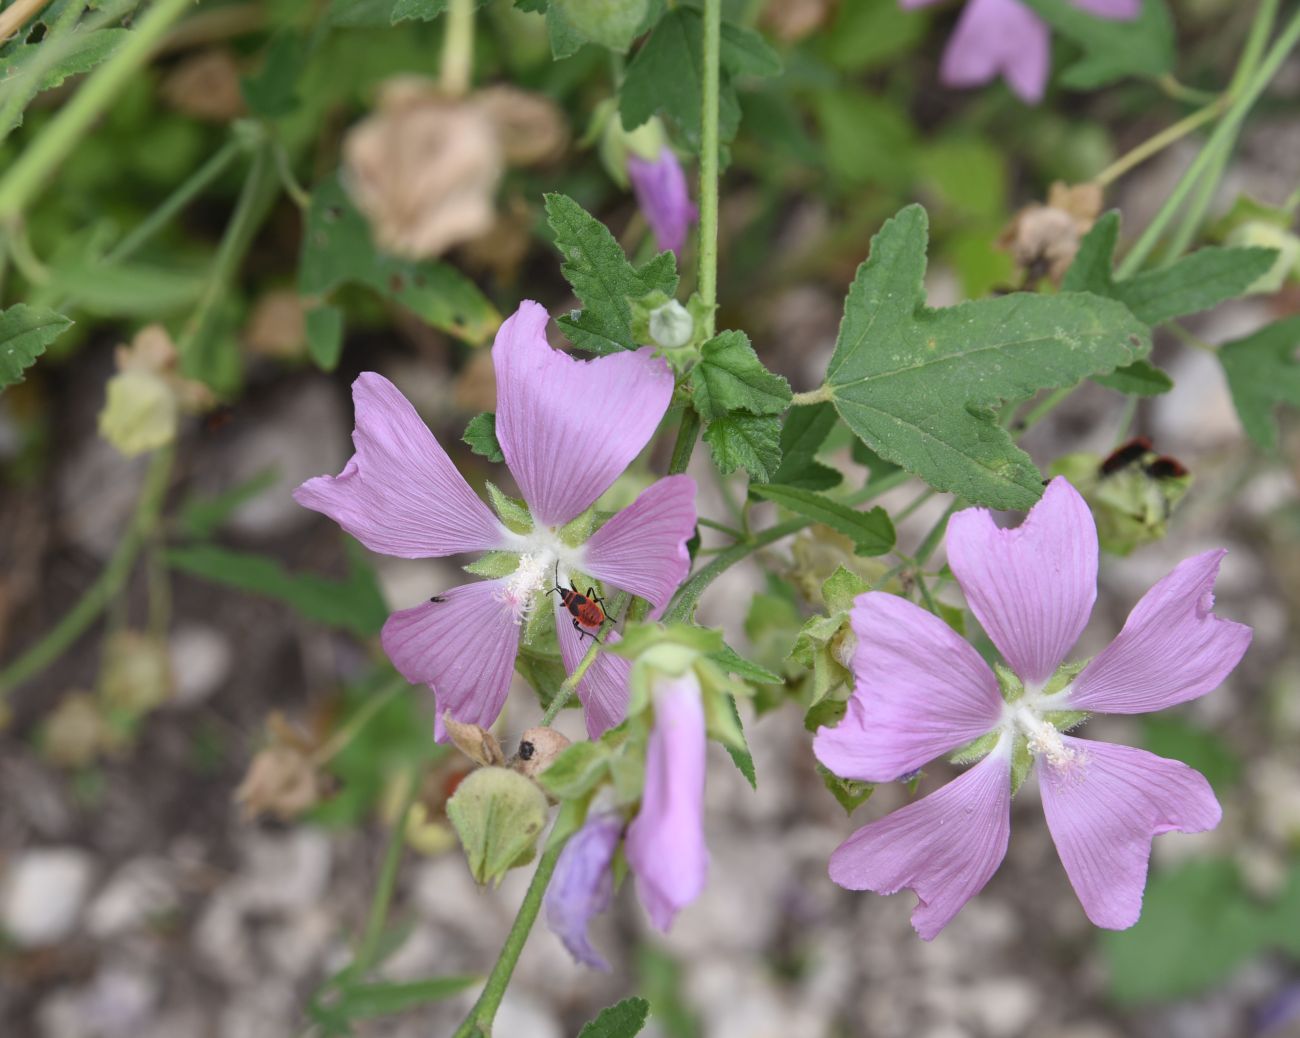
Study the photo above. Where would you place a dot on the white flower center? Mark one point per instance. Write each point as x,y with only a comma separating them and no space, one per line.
1044,740
539,553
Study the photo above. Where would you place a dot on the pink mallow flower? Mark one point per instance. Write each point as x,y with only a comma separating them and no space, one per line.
922,691
665,842
567,428
1005,38
661,192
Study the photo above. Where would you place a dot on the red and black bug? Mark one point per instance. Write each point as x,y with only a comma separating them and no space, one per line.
588,610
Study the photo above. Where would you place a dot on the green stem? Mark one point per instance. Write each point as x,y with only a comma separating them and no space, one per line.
683,604
110,582
33,170
193,186
708,262
1048,404
478,1024
813,396
251,207
383,896
1154,145
684,445
458,49
1249,83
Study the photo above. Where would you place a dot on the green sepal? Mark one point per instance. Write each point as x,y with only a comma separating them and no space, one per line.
1066,720
841,588
829,712
1022,762
1063,675
733,663
512,512
976,749
1011,687
498,814
577,771
494,564
576,532
544,673
481,436
850,794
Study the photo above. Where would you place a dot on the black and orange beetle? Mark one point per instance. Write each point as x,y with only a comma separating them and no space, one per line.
588,610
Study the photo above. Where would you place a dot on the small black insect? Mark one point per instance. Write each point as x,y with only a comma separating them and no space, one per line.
526,750
437,598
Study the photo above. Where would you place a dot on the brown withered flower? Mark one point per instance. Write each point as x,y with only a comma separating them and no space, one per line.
1044,239
424,169
283,779
206,86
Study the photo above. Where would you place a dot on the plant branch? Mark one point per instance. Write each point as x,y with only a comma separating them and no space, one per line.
456,71
33,170
708,261
383,896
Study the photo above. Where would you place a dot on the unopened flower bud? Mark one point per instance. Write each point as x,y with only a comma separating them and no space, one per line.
477,743
1262,234
498,814
147,395
137,673
671,325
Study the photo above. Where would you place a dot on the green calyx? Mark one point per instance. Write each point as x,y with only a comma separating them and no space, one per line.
512,512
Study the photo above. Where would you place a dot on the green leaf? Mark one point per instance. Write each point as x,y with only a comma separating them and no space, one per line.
1112,48
125,289
745,53
481,435
865,36
24,334
742,758
417,10
1196,928
612,25
362,1001
1141,378
576,771
1262,374
869,140
354,604
872,533
919,386
850,794
498,815
565,40
337,250
730,377
733,663
1202,749
1194,283
602,278
749,442
802,434
82,51
325,336
204,516
667,75
273,91
621,1020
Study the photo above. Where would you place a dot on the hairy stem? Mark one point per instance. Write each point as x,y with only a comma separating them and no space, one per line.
708,273
478,1024
1154,145
110,582
684,445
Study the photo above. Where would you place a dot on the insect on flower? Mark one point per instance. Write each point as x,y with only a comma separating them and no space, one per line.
588,610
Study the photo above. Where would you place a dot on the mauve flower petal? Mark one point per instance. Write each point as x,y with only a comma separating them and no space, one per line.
462,647
921,691
582,886
1119,10
665,842
998,37
1172,648
944,847
1103,808
1032,588
642,549
399,494
663,197
568,427
603,690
